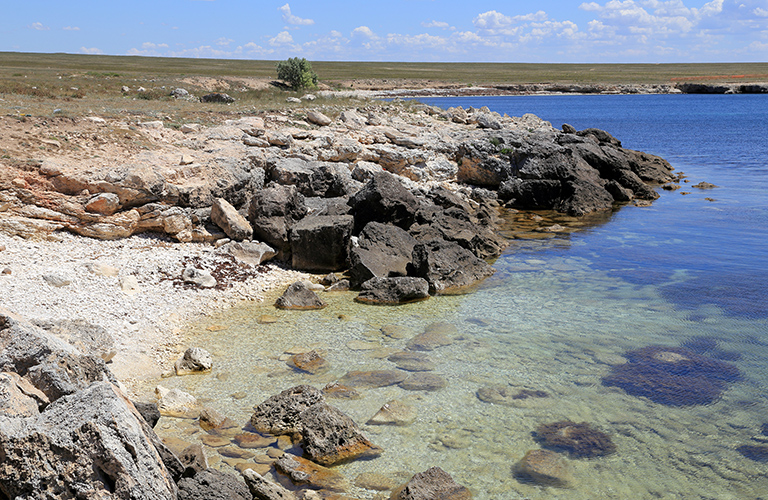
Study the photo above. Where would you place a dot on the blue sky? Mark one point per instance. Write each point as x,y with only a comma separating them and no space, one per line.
396,30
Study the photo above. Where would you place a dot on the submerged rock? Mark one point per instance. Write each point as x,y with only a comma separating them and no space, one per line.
393,291
299,297
579,440
546,468
432,484
394,413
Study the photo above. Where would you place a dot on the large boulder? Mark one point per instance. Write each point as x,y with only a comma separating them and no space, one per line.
90,444
393,291
262,489
447,266
384,199
300,298
456,224
212,484
313,178
320,243
230,221
431,484
53,366
383,250
272,212
328,435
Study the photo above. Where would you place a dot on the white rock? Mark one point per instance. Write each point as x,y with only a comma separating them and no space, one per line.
130,285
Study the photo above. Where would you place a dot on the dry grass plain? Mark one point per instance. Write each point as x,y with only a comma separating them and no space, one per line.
77,85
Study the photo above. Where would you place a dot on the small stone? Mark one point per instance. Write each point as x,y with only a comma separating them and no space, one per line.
396,331
129,285
318,118
375,481
275,453
100,269
260,469
304,472
338,391
394,413
57,280
235,452
186,160
412,361
214,441
195,359
7,270
299,297
198,277
267,319
176,403
436,335
373,378
362,345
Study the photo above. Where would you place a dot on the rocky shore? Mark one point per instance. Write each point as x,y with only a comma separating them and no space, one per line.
118,233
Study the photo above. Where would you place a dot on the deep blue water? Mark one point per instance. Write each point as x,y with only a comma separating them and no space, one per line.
721,245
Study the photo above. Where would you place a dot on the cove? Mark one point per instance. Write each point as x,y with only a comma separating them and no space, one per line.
557,317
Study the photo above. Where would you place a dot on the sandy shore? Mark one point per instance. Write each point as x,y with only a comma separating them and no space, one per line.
147,324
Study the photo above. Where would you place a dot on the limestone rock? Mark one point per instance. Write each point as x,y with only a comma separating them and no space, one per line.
86,337
272,212
435,335
193,459
394,413
331,437
447,266
546,468
56,279
91,442
310,362
393,291
261,489
318,118
383,250
412,361
384,199
230,221
249,252
319,243
212,484
423,382
373,378
176,403
101,269
130,285
280,414
218,97
104,204
432,484
195,359
299,297
15,398
199,277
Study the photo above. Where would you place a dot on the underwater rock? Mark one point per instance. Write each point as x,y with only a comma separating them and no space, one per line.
373,378
310,362
412,361
394,413
435,335
431,484
299,297
338,391
546,468
756,452
673,376
579,440
304,472
422,381
508,396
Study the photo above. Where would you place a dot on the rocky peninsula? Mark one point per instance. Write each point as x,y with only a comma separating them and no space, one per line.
117,232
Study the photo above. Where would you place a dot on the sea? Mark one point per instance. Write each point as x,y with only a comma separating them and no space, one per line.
561,316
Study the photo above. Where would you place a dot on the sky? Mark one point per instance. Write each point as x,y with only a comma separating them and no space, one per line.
542,31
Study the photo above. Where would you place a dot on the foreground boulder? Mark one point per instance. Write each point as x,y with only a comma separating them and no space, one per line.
299,297
393,291
211,484
328,436
230,221
384,250
319,243
447,266
432,484
273,211
384,199
90,444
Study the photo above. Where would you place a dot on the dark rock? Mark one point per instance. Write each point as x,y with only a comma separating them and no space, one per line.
447,266
673,376
756,452
384,251
455,224
272,212
211,484
320,243
384,199
311,178
193,459
92,442
217,97
546,468
432,484
579,440
148,412
330,437
280,414
393,291
299,297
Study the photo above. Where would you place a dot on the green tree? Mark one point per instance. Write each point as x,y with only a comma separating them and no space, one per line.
297,72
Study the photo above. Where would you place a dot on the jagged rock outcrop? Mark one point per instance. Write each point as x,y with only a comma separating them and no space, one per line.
393,291
383,250
447,266
319,243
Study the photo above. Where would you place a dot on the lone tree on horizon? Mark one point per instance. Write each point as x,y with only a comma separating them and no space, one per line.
297,72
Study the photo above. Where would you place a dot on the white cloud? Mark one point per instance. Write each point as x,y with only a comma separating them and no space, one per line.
364,32
760,12
92,50
223,42
438,24
71,28
282,38
39,27
492,20
289,18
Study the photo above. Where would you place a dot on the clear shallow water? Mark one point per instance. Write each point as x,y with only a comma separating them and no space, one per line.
556,316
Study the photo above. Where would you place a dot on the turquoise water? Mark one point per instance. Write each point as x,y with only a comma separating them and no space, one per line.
558,316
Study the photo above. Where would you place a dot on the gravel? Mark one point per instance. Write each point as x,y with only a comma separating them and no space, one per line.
72,277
